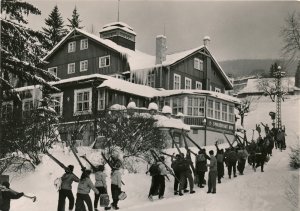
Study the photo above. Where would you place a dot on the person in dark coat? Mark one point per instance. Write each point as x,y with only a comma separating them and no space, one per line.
280,139
66,189
231,159
266,127
220,161
242,157
201,166
273,133
7,195
174,166
260,156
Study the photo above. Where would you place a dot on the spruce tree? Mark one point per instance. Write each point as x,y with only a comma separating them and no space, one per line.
55,30
75,21
21,48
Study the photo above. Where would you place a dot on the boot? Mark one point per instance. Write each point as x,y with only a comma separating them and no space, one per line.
180,193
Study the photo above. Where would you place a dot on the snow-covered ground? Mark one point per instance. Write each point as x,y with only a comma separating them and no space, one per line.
252,191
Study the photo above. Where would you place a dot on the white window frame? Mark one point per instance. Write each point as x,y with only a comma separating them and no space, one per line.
105,63
217,90
210,110
5,113
101,106
84,65
197,106
198,64
217,112
24,101
71,47
177,105
84,44
61,96
177,83
198,84
151,79
77,91
224,116
231,115
69,68
51,70
187,83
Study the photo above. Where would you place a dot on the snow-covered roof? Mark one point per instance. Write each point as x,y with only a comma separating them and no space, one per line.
80,78
117,27
26,88
119,23
166,122
128,87
253,85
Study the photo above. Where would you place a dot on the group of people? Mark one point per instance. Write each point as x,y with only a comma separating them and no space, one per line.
234,158
85,185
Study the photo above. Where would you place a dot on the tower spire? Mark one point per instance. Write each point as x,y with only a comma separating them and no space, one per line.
118,11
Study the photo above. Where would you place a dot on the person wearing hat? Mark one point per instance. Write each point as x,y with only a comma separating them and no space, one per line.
7,195
66,189
84,186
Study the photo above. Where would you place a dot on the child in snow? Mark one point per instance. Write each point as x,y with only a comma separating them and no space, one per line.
7,195
100,184
66,189
83,190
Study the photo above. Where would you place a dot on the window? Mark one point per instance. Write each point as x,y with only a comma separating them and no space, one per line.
53,70
83,65
217,90
57,103
83,44
210,87
101,100
231,114
82,101
151,80
217,110
7,110
224,112
198,85
71,47
177,81
104,61
177,105
210,108
188,83
71,68
196,106
198,64
27,107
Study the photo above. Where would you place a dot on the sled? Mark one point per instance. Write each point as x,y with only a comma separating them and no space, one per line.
104,200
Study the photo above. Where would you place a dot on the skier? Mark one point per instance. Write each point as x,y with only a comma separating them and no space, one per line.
280,139
186,174
257,127
100,184
174,166
66,189
260,156
266,127
231,159
220,160
116,184
201,167
154,173
212,174
7,195
274,132
242,157
161,177
83,190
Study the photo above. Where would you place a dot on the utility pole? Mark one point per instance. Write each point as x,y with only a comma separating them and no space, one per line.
118,20
278,74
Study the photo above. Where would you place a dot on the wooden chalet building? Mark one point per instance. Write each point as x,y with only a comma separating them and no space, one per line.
98,72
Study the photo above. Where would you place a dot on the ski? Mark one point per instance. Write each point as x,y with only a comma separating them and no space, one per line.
191,140
56,160
230,144
77,158
189,151
89,162
107,161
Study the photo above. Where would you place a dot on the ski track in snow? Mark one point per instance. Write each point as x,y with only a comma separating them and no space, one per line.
253,191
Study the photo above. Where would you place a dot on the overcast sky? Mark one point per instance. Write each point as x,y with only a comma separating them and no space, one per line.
238,29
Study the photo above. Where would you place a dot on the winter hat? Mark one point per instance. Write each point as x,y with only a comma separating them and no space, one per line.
162,158
71,167
100,168
6,184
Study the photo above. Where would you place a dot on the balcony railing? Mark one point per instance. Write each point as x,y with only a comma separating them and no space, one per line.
194,120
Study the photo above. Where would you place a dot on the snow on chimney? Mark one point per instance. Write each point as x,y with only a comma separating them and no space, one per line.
206,40
161,48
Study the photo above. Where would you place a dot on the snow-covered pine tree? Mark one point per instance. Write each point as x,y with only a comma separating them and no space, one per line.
55,30
21,48
75,21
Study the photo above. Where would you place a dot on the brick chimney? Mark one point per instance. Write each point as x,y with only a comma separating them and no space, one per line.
206,40
161,49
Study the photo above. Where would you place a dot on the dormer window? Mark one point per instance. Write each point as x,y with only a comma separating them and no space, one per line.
198,64
71,47
84,44
104,61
